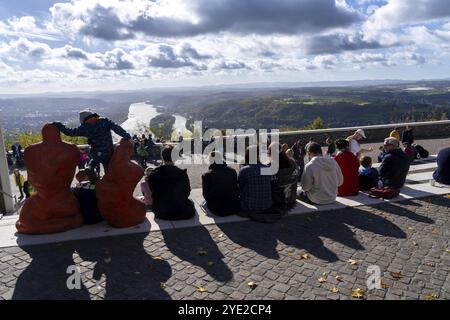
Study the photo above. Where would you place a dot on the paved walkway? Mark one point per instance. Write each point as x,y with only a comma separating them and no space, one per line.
321,255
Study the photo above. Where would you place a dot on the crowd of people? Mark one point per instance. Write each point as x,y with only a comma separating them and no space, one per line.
305,173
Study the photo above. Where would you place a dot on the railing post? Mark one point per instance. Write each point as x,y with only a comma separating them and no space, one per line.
6,202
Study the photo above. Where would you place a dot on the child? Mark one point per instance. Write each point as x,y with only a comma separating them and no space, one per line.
368,176
84,191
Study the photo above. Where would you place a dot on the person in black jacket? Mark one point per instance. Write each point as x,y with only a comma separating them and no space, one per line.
368,176
170,188
395,165
442,173
220,187
408,135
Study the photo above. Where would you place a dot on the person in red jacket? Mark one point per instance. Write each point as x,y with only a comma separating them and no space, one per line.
349,165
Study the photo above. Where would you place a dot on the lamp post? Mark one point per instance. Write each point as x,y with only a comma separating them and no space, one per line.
6,197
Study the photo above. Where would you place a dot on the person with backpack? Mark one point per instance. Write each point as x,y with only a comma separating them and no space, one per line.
442,173
220,187
349,165
395,165
171,188
98,132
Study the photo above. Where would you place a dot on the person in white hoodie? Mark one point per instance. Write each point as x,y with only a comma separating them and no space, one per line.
321,178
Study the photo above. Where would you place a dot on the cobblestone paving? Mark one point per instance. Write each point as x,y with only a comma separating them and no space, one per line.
409,241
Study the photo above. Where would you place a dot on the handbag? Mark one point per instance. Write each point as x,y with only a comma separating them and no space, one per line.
384,193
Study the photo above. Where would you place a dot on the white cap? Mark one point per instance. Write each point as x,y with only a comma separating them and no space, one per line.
361,133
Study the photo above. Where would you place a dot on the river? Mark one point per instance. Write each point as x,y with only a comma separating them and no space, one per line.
140,115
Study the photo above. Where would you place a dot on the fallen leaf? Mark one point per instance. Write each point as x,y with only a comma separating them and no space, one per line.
322,279
162,285
384,285
201,289
210,263
221,235
325,274
252,285
430,264
358,293
202,252
396,275
447,251
414,243
352,262
305,256
290,253
431,297
411,228
419,271
335,290
158,258
339,278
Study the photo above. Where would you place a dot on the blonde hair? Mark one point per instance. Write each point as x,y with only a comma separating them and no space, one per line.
290,153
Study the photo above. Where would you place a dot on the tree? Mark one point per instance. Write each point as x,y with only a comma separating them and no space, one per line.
316,124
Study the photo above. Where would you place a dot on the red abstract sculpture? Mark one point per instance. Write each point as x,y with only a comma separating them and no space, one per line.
51,166
115,191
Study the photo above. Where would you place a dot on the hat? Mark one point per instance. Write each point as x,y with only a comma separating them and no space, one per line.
391,141
361,132
85,114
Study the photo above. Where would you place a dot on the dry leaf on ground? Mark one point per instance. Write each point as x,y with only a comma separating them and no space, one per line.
358,293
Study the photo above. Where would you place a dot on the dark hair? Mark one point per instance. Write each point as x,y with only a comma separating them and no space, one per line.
166,154
314,148
342,144
283,160
216,157
396,129
366,162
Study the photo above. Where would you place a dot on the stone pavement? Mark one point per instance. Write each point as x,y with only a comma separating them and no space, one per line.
296,258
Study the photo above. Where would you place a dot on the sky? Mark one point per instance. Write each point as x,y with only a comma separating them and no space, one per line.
136,44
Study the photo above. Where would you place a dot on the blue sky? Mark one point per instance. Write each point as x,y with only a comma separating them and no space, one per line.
132,44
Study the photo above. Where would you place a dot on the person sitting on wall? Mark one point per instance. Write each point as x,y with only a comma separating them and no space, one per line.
368,176
395,134
442,173
220,187
171,188
98,132
395,165
349,165
321,178
84,191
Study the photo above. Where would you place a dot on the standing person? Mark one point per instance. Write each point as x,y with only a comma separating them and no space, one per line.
98,132
321,178
19,180
408,135
142,154
331,147
220,187
170,189
355,145
254,187
442,173
395,134
349,165
395,165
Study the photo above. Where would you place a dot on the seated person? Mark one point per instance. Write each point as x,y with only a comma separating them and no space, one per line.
381,154
368,176
170,189
220,187
349,165
410,151
284,182
145,189
321,178
254,187
442,174
84,191
395,165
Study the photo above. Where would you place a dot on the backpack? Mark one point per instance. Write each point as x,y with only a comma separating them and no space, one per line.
384,193
421,152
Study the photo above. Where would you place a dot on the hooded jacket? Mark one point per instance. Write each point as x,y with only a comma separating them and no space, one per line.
394,169
98,133
321,180
220,190
170,189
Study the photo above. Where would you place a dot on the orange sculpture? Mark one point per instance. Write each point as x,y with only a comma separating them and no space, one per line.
115,191
51,166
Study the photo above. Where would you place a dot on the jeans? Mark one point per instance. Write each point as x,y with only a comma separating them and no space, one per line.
94,165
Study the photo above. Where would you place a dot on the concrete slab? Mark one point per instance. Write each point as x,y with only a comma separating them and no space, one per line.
419,177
